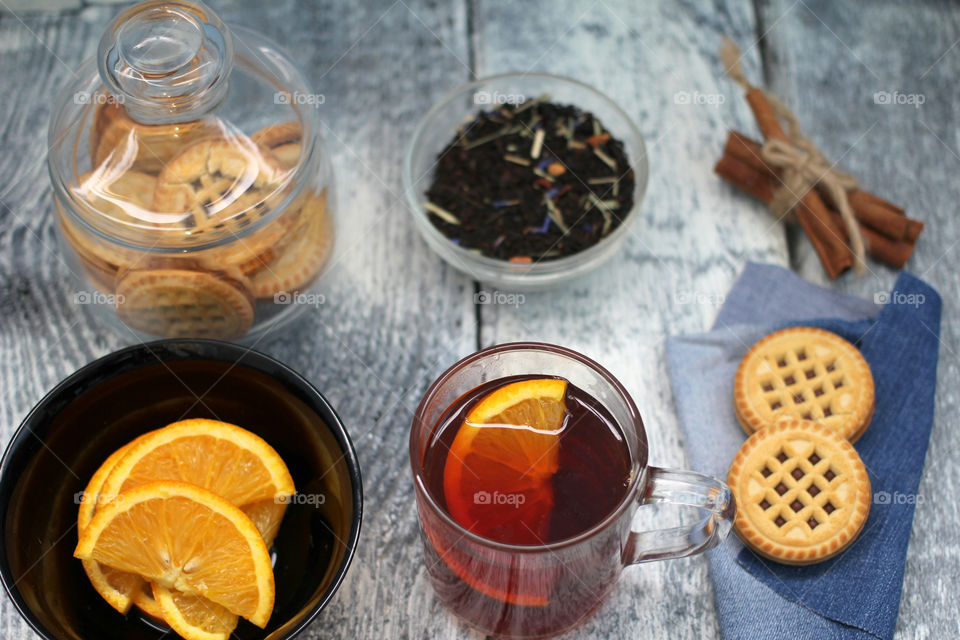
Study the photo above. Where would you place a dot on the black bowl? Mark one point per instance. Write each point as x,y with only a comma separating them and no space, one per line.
109,402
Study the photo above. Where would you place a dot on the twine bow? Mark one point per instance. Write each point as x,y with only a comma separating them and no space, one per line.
802,166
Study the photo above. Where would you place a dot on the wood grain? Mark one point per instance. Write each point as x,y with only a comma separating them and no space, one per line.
690,242
395,316
835,64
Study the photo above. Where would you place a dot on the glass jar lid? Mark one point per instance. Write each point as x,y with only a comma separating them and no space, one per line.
182,133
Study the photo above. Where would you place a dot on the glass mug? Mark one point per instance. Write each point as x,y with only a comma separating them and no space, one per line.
527,591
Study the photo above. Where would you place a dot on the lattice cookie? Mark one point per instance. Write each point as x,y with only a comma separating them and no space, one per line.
220,183
303,256
808,374
180,303
802,492
122,197
118,140
283,139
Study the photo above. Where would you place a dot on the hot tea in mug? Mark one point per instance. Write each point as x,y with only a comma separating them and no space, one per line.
529,462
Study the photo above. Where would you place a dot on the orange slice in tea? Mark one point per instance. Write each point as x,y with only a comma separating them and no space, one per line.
497,483
495,576
185,538
497,475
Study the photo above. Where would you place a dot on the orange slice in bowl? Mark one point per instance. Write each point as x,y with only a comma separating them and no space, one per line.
233,463
193,617
118,588
91,495
188,539
144,601
266,516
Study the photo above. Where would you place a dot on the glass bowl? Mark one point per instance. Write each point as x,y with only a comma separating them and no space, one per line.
440,124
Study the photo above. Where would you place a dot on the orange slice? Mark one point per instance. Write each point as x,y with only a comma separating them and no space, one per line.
266,516
496,479
497,482
91,495
233,463
536,403
185,538
500,581
193,617
118,588
143,599
122,589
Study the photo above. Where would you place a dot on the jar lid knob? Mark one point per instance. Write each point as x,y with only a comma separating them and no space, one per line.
166,61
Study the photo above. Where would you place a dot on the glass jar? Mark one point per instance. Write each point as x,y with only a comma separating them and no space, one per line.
193,194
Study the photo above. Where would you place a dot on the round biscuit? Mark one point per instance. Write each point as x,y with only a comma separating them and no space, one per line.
181,303
802,492
804,373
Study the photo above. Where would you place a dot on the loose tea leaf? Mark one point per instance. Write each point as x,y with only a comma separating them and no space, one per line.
530,182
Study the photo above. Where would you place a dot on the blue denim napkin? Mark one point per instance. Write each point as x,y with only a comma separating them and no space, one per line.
856,594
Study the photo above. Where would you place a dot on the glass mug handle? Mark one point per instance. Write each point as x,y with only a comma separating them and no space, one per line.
684,488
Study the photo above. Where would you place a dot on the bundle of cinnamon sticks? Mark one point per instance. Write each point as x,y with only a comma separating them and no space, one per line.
888,235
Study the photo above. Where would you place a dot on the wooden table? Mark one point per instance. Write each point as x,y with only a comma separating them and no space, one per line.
396,316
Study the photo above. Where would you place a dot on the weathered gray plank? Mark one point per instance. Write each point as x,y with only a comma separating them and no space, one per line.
394,315
42,338
828,60
692,239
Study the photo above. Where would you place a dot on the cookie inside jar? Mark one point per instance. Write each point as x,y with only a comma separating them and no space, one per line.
194,200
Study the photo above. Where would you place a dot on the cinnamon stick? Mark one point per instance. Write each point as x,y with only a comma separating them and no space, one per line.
885,203
914,227
762,185
811,212
873,211
876,216
767,120
744,177
881,248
